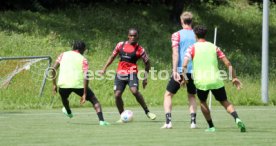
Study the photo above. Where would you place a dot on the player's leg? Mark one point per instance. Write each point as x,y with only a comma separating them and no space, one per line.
90,96
168,109
191,90
192,109
220,95
202,95
64,94
134,88
140,99
171,89
119,87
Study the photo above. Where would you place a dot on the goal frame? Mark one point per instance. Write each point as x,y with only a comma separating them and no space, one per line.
34,57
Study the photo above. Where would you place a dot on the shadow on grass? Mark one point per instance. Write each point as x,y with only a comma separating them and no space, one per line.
11,112
83,123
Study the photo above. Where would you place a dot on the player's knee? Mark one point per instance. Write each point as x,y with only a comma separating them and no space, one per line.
134,91
191,96
94,101
97,105
118,94
168,94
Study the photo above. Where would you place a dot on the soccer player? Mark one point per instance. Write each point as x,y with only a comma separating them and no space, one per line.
129,51
181,40
73,68
207,76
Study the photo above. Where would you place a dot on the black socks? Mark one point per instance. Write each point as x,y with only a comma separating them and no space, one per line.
146,110
100,115
235,115
193,118
168,118
210,123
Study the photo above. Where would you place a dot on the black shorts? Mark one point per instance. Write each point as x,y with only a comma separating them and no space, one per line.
122,80
90,96
220,94
173,86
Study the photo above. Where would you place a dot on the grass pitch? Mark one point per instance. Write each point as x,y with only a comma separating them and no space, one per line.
52,128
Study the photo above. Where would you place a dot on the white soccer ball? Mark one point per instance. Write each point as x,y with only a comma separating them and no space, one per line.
127,116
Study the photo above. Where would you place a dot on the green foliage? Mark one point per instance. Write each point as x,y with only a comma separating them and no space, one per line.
101,26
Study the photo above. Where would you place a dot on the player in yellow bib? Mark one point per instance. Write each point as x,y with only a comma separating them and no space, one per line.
73,68
207,77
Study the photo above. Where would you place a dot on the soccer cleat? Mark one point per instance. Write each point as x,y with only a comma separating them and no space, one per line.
103,123
193,125
65,113
240,125
152,116
120,121
167,126
213,129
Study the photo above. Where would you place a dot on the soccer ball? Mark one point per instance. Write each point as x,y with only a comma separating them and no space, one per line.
127,116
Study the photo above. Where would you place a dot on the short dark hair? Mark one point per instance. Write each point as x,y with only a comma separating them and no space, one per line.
200,31
79,45
133,29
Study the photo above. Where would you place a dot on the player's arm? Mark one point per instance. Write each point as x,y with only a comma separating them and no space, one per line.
147,68
85,87
111,57
185,64
108,63
230,68
184,70
175,55
188,56
54,73
85,80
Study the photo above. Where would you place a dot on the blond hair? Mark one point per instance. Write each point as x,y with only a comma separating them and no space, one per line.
186,18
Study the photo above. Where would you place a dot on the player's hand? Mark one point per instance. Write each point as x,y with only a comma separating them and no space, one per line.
183,82
145,82
176,77
237,83
185,79
102,72
54,89
83,99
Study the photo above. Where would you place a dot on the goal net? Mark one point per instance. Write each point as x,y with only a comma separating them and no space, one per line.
23,76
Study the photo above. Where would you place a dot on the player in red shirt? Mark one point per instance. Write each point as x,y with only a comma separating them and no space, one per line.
129,51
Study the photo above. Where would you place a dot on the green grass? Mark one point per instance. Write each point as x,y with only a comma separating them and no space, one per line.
51,128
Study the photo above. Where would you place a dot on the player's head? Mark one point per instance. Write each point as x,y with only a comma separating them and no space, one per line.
133,35
80,46
186,18
200,31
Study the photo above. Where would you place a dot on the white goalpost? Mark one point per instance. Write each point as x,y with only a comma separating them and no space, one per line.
23,73
265,53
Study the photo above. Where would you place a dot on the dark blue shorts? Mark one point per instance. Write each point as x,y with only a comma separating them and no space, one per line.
122,80
174,86
90,96
220,94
